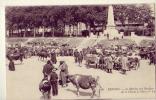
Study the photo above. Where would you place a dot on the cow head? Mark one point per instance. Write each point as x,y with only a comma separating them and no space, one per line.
92,82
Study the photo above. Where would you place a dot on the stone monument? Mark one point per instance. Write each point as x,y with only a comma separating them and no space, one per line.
111,27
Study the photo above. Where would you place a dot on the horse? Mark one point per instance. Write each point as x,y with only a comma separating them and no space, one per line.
42,55
15,56
83,82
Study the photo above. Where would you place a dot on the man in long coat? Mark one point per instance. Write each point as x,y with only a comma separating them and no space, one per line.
63,73
76,54
154,58
102,62
80,58
53,57
124,62
109,63
57,51
54,82
47,69
11,65
117,62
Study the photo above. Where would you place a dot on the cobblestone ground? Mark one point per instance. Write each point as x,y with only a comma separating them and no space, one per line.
23,83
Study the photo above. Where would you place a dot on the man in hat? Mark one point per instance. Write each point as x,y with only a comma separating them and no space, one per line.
11,65
109,63
108,36
53,57
57,51
63,73
101,62
47,69
152,57
76,53
124,62
80,58
117,63
54,82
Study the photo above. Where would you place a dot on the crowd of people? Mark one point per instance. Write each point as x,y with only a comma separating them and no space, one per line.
106,58
122,58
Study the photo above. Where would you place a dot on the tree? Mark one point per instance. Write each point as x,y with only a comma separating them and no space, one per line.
51,16
134,13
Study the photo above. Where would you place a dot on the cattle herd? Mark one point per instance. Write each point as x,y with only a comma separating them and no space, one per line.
115,57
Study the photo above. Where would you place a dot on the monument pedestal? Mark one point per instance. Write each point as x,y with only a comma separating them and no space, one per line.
113,33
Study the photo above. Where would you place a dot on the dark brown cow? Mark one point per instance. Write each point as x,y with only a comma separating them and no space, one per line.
42,55
84,82
16,56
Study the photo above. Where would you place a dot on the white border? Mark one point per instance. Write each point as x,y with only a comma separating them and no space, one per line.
72,2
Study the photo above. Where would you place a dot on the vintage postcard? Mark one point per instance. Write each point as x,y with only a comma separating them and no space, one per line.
90,50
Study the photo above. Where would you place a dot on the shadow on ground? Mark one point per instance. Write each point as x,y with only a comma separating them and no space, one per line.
81,93
45,98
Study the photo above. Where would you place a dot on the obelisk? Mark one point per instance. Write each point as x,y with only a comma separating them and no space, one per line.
111,27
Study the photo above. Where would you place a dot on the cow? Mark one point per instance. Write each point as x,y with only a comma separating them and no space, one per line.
42,55
83,82
15,56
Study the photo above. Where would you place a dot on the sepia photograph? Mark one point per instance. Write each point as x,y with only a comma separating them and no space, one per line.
104,51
